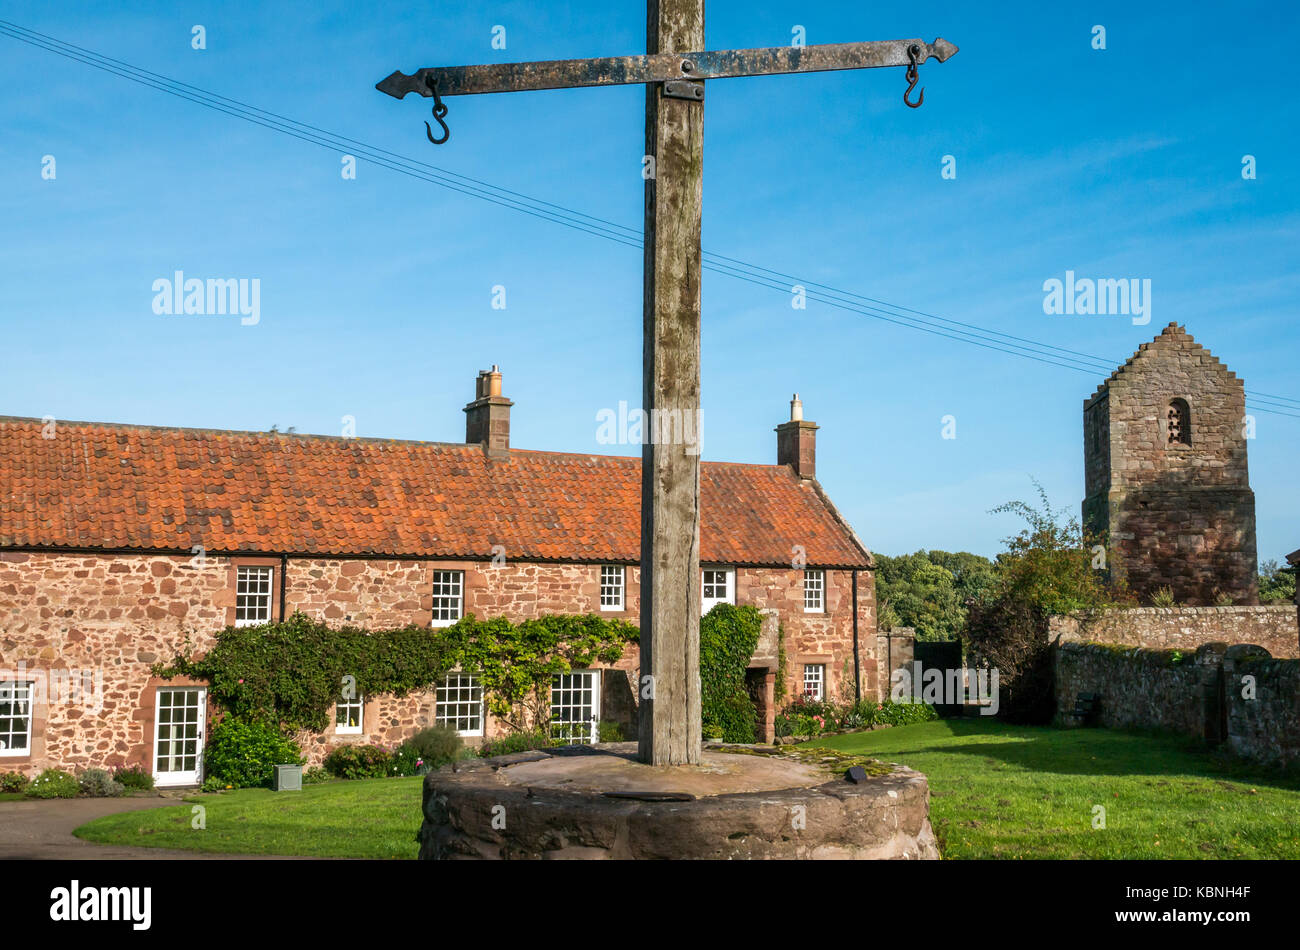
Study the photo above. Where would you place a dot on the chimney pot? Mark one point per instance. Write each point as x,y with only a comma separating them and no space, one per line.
796,409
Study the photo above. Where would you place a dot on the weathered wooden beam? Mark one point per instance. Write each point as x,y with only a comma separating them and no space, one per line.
660,67
670,722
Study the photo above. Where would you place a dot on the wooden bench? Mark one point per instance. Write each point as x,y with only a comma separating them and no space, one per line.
1085,708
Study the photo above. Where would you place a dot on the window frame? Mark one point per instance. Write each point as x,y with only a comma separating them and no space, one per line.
240,574
819,574
819,680
10,687
358,701
708,603
621,604
459,575
476,685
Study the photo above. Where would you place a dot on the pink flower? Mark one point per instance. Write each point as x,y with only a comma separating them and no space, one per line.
241,681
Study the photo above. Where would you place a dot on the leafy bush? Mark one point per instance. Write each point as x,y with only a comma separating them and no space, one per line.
1047,569
728,637
97,783
525,740
437,746
315,776
12,781
135,778
243,753
610,731
53,783
358,761
806,718
903,714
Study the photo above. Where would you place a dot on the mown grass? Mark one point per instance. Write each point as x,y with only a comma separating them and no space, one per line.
372,818
1001,791
997,791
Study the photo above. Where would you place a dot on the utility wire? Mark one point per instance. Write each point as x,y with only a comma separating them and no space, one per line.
972,334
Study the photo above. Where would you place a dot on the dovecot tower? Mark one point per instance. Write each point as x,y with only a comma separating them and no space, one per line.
1164,448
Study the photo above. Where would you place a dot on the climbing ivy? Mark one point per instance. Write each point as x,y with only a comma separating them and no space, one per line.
728,638
291,673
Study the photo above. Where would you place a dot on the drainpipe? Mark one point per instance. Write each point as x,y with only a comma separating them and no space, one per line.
284,573
857,673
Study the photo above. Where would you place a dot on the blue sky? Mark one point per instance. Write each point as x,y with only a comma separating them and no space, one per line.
376,293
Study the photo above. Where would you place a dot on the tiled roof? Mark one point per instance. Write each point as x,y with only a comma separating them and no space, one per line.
117,487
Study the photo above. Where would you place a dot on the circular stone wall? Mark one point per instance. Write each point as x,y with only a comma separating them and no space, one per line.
599,802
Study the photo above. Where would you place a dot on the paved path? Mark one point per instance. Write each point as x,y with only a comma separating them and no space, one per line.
42,829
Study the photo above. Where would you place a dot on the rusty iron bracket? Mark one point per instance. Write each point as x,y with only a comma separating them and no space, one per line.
684,89
663,67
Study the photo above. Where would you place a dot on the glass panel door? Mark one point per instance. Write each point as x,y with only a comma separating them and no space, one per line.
178,736
575,706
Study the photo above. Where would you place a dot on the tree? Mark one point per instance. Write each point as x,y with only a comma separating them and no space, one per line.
1046,569
1276,583
928,591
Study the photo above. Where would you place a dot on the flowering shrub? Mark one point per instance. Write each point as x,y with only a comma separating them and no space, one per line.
807,718
12,781
53,783
406,760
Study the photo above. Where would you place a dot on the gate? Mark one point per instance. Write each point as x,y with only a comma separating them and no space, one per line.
944,656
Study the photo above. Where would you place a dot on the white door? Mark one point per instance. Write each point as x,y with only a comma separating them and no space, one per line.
575,706
178,736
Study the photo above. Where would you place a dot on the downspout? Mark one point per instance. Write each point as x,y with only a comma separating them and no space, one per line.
857,669
284,575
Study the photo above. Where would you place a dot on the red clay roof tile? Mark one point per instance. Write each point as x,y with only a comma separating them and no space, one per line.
137,487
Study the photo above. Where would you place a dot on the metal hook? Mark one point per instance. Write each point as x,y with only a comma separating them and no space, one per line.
913,52
439,110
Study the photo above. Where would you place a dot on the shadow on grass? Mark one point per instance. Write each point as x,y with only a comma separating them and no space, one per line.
1085,751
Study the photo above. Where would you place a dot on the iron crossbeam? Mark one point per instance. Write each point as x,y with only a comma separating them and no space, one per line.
660,67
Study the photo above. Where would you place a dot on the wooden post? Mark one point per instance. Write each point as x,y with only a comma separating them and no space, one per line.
670,460
670,470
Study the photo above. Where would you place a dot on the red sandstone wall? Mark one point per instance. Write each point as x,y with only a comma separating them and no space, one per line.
818,638
1185,628
119,613
115,614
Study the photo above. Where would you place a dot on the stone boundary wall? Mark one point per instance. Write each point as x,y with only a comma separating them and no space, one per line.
1237,696
1276,628
895,650
1267,727
1137,688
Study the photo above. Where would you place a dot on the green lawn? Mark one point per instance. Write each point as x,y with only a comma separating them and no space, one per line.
996,791
374,818
999,791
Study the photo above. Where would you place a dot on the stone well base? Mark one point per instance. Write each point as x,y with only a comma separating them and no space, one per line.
601,803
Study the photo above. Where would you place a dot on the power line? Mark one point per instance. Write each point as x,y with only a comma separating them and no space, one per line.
972,334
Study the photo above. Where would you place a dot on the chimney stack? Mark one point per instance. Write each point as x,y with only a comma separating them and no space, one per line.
796,442
487,418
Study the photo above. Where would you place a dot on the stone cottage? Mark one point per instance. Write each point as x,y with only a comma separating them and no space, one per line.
118,543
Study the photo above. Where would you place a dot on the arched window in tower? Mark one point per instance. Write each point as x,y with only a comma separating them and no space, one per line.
1179,423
